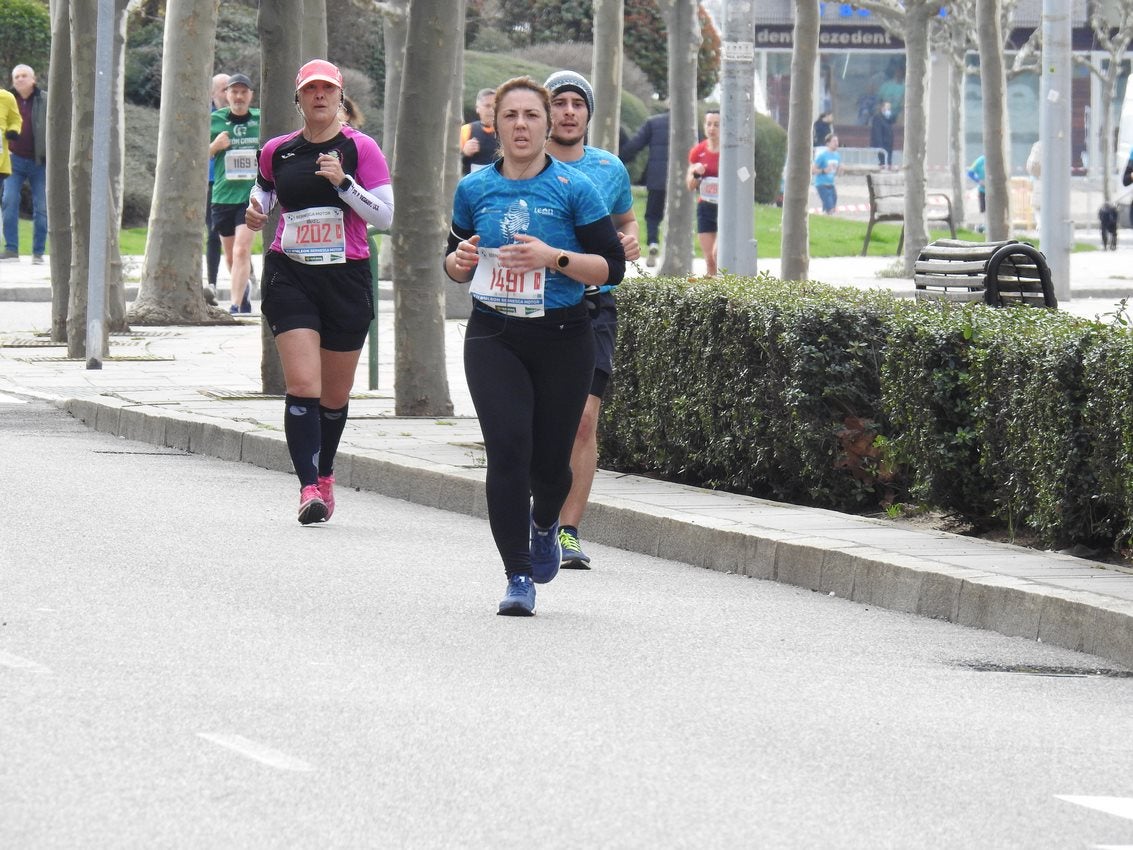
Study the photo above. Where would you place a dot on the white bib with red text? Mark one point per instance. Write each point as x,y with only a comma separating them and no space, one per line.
315,236
505,290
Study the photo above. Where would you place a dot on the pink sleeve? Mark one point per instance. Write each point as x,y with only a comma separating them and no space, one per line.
372,168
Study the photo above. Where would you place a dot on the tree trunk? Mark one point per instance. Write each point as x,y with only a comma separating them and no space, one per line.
58,169
282,56
957,128
680,204
609,26
993,81
917,21
795,254
314,35
84,26
115,286
421,221
395,29
170,291
458,302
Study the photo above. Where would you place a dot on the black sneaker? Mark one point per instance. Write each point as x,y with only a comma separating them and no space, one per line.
519,600
573,556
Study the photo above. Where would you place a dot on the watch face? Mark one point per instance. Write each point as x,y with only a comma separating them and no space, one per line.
562,260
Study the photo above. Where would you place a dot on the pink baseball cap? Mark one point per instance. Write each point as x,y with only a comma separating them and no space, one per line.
318,69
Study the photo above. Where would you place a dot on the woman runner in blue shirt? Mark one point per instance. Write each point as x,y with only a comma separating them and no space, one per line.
531,235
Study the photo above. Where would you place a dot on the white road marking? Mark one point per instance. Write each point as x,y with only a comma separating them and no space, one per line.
1122,807
17,663
256,751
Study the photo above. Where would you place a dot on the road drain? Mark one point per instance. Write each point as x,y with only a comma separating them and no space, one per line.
1044,670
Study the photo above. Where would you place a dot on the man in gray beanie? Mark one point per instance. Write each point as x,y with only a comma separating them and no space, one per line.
572,107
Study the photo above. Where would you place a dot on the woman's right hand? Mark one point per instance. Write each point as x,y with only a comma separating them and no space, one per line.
466,255
254,217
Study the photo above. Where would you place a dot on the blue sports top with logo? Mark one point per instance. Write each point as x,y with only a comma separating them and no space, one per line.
559,206
610,177
287,168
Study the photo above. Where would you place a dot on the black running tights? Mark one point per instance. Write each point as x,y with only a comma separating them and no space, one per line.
529,379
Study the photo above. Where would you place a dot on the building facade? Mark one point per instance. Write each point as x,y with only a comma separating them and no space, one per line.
861,64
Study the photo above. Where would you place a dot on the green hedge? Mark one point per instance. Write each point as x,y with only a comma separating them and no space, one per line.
851,400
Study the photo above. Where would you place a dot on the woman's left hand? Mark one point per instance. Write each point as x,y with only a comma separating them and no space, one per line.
526,254
331,168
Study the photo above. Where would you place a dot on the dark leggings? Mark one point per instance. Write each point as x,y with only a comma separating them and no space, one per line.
528,379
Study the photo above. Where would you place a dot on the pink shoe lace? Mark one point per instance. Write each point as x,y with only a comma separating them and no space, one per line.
326,490
312,508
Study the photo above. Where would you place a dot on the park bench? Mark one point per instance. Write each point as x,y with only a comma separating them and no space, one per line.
887,203
996,273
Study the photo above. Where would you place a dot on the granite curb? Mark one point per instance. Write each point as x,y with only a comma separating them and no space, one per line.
937,575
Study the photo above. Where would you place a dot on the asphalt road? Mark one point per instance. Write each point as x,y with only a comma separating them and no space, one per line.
183,665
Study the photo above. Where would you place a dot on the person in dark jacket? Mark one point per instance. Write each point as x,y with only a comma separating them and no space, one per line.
29,164
823,127
881,133
653,134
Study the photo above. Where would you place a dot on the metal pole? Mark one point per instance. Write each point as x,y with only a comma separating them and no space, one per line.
100,184
1056,230
736,249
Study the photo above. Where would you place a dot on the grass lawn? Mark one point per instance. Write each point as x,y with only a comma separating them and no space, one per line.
131,241
830,236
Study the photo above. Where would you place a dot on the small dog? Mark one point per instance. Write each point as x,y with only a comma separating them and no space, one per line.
1107,219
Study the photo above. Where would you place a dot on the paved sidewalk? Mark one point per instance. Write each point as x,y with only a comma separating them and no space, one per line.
197,389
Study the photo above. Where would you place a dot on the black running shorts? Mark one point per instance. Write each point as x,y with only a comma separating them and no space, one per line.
335,300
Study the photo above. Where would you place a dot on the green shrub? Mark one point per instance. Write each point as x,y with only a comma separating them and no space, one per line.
25,37
844,399
770,158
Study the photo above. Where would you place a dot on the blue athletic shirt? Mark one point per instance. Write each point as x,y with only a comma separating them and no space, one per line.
548,206
609,175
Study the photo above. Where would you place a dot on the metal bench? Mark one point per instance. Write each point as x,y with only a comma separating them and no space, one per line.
887,203
996,273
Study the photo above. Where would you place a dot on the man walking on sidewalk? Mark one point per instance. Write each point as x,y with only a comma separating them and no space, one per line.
29,165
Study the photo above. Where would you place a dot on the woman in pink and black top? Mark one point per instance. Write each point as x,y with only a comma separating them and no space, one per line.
330,181
704,178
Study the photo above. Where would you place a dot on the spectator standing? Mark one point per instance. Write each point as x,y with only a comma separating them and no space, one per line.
10,124
217,100
28,152
704,178
654,135
531,235
977,172
826,167
893,89
572,107
331,182
1035,170
823,127
478,142
881,133
234,138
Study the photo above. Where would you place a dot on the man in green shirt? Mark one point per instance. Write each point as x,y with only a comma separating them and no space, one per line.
235,137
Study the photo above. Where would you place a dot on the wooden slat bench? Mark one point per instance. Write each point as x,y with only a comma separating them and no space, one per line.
996,273
887,203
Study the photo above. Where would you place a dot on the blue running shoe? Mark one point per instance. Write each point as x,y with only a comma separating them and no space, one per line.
546,554
573,556
519,601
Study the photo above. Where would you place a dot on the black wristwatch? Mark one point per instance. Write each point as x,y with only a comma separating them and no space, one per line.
345,185
562,260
